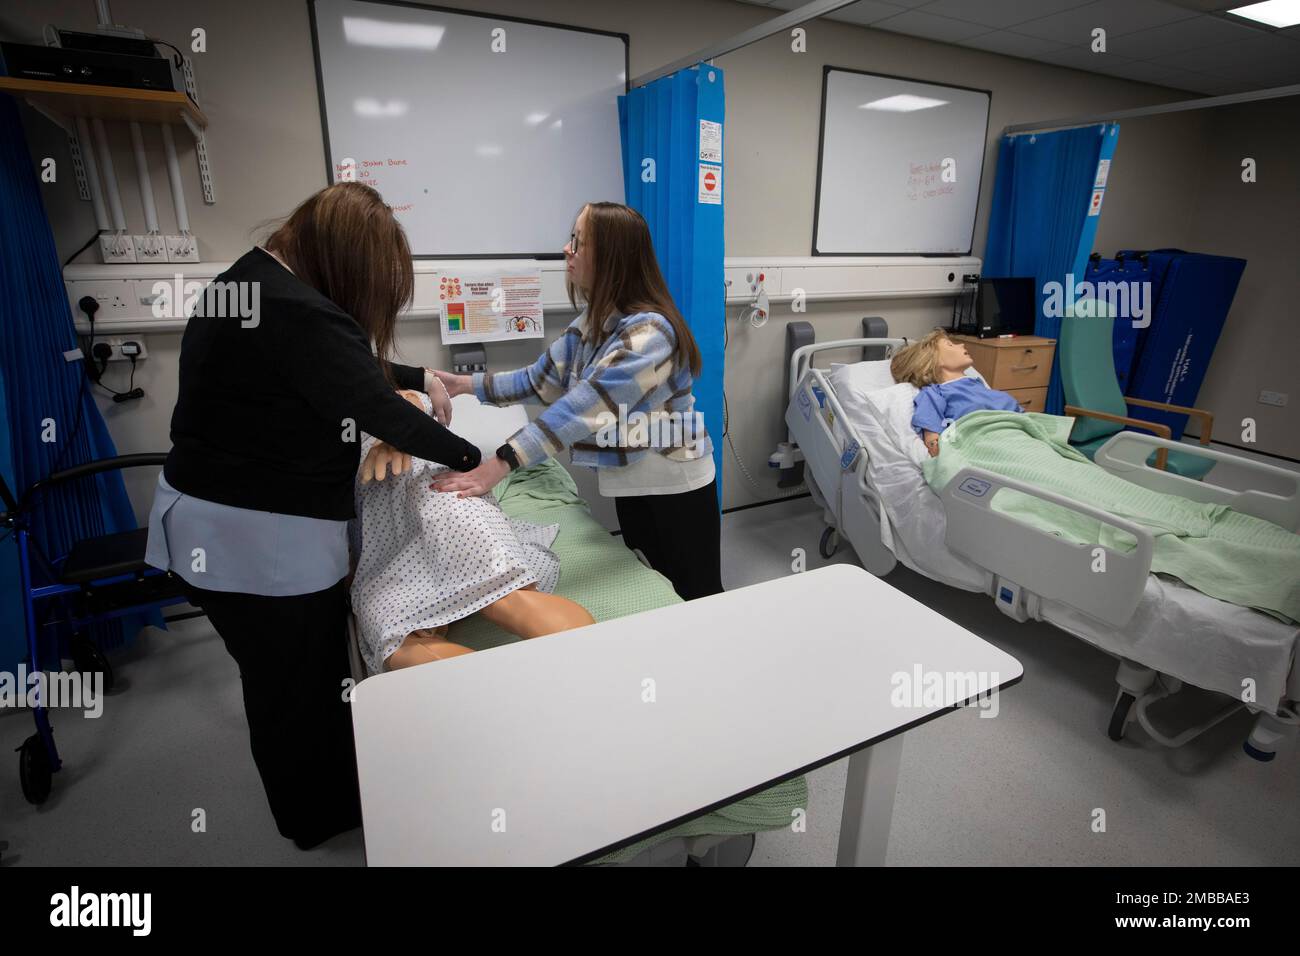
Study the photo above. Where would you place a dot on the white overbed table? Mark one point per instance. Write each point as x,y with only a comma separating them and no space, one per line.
563,748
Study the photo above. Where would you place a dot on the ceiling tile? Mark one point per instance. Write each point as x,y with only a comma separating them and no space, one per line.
944,29
1013,44
1117,17
1190,34
866,12
1217,86
862,12
1260,50
1078,59
999,13
1143,72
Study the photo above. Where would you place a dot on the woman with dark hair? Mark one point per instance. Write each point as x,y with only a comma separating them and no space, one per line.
617,389
253,504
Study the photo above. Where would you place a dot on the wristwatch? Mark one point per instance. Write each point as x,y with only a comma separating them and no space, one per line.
507,454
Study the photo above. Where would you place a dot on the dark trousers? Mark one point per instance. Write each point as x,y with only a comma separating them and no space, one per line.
293,661
680,535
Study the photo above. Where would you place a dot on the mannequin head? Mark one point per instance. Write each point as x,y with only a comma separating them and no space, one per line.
933,359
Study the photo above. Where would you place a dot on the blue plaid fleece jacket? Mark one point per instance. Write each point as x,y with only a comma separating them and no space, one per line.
610,404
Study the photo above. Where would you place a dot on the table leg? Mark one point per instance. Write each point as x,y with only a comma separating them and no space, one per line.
869,803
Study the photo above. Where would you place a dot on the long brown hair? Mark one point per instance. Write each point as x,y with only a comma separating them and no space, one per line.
626,278
346,244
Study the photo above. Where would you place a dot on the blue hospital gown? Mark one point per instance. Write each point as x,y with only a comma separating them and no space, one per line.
938,406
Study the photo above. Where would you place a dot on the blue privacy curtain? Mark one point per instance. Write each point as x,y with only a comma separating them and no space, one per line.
680,197
45,396
1044,217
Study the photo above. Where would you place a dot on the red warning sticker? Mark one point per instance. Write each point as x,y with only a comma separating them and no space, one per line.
710,184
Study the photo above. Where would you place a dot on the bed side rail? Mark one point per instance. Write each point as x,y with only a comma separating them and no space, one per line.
1274,494
1025,558
823,442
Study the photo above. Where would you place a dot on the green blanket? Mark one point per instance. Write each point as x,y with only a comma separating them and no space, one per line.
600,573
1217,551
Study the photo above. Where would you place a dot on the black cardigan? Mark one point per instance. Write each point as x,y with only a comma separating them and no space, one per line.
262,417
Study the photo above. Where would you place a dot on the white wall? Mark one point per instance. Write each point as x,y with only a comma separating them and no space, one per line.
257,85
1259,222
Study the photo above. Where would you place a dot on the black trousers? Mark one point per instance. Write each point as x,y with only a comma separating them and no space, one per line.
293,660
680,535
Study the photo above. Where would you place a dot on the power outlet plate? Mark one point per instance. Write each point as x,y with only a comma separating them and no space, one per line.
1273,398
113,295
182,249
115,248
151,248
116,343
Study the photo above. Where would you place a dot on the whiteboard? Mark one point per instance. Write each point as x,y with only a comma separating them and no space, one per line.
480,153
882,182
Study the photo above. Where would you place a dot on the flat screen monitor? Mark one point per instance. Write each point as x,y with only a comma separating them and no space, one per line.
1005,306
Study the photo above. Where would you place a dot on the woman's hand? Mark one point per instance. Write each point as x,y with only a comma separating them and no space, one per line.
932,443
441,398
383,458
455,384
474,483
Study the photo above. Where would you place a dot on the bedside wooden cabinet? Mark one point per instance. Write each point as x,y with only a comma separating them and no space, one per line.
1020,365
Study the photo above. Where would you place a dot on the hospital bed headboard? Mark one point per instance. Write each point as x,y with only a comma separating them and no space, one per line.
799,334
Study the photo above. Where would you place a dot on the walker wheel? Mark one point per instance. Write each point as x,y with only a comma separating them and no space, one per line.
830,543
89,659
34,770
1119,716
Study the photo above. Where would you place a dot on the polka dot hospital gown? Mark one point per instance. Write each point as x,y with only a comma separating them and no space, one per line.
430,558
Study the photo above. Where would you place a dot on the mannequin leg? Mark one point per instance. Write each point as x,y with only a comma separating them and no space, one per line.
529,612
423,646
525,613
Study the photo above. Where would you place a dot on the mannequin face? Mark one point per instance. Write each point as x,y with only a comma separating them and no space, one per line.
953,357
578,254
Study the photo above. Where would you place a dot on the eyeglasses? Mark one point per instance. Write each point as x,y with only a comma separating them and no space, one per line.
573,242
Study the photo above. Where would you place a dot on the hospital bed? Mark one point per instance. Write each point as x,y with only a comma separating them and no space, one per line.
874,494
600,573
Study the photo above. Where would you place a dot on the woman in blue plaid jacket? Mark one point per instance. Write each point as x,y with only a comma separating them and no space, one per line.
616,386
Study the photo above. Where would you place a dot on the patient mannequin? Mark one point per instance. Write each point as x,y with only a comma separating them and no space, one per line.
476,526
937,366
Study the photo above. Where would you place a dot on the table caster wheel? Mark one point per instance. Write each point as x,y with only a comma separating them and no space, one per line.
829,544
34,770
1119,716
1263,756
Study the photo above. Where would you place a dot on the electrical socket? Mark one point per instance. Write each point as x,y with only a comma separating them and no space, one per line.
113,295
116,344
1273,398
116,248
182,249
151,248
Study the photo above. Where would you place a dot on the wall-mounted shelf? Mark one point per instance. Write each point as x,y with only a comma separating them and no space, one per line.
105,102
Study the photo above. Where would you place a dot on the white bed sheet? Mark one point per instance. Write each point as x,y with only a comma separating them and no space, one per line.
1176,630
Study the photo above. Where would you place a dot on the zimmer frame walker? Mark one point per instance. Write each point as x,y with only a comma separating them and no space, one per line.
100,579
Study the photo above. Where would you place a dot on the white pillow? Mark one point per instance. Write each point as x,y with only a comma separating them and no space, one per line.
863,377
486,426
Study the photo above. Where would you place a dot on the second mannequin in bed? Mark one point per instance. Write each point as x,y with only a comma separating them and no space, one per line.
936,365
425,559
